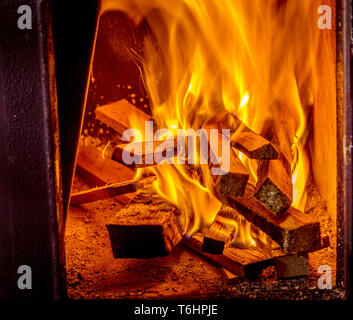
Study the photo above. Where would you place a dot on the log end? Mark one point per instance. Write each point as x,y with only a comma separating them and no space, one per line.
292,266
232,184
140,242
303,238
146,228
273,198
211,245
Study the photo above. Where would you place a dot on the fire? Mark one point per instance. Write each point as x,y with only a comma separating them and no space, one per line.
204,58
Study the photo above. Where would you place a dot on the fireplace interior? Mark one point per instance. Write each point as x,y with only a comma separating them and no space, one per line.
150,232
269,79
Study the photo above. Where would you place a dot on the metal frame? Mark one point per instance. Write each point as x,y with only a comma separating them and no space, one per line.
37,157
344,143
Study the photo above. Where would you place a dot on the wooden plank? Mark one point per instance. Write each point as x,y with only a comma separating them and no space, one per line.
244,139
220,233
274,188
242,262
291,266
254,145
146,227
118,115
294,231
97,172
105,192
146,155
234,181
109,191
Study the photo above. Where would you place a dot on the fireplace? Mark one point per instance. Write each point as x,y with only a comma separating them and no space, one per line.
97,217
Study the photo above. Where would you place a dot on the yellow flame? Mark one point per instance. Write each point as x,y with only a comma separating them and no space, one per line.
204,58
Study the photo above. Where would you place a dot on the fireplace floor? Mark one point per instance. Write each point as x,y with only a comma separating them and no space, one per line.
93,273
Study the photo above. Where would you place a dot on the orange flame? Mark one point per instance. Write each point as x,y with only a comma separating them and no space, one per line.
203,58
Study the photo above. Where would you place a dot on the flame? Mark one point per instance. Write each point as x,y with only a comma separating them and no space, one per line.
204,58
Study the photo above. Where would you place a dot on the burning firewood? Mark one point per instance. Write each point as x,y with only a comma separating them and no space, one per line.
108,191
245,140
291,266
97,171
117,115
220,233
146,227
274,186
242,262
234,180
104,192
254,145
294,231
145,156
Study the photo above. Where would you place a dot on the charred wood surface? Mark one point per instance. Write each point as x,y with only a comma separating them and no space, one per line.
242,262
220,233
97,171
254,145
118,115
105,192
146,227
274,188
294,231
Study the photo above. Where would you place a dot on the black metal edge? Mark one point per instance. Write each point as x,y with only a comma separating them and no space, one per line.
74,28
344,143
30,209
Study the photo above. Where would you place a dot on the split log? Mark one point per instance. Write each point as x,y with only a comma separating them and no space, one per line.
220,233
247,263
105,192
146,153
294,231
244,139
146,227
291,266
274,188
254,145
233,182
109,191
118,115
97,172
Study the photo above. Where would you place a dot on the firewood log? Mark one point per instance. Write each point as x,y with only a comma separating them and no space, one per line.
234,181
242,262
274,188
291,266
145,156
105,192
146,227
220,233
294,231
109,191
244,139
249,263
118,115
253,145
98,172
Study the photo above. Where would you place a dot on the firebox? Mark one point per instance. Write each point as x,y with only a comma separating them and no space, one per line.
176,149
